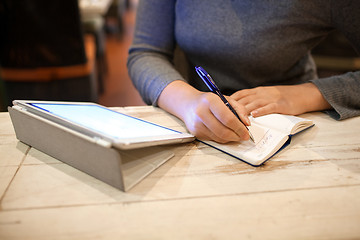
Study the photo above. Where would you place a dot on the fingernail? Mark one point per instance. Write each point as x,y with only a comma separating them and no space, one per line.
254,113
247,121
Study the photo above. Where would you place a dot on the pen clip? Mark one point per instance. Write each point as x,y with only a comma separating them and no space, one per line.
207,79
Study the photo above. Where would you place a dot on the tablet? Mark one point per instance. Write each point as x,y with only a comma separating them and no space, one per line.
103,125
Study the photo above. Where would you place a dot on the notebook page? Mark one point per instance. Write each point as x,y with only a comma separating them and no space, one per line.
255,154
284,123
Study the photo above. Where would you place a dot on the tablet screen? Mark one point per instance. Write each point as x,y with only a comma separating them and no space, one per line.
105,121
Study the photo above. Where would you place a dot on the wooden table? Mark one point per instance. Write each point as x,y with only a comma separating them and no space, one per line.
309,191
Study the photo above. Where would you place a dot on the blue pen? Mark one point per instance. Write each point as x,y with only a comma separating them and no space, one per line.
213,88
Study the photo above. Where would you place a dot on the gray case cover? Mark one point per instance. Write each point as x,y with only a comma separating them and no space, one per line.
118,168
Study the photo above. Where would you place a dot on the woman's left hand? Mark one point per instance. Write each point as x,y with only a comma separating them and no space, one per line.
292,99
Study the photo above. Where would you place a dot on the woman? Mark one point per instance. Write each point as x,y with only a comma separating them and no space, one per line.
257,51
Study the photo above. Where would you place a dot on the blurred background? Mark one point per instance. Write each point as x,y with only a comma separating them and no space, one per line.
76,50
66,50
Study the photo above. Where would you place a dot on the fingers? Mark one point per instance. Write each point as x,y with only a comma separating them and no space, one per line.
216,121
243,93
241,110
261,107
230,120
259,101
248,98
223,123
204,133
290,99
264,110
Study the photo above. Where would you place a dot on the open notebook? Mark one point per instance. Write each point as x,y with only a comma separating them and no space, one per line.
271,133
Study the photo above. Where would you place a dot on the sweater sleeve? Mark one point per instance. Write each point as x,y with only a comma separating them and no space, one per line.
343,91
343,94
150,55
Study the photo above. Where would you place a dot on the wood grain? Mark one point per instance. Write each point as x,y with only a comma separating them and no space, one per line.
311,190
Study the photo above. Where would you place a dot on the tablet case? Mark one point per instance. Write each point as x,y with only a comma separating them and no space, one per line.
119,168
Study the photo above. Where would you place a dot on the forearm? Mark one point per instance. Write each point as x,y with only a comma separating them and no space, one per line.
310,98
150,74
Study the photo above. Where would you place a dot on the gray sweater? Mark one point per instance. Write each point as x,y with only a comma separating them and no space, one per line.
243,44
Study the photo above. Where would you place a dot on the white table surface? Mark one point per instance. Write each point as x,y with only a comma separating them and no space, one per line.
311,190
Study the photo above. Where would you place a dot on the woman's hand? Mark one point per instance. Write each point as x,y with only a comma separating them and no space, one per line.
292,99
204,114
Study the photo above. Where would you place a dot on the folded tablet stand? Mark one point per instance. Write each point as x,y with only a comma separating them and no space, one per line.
119,168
